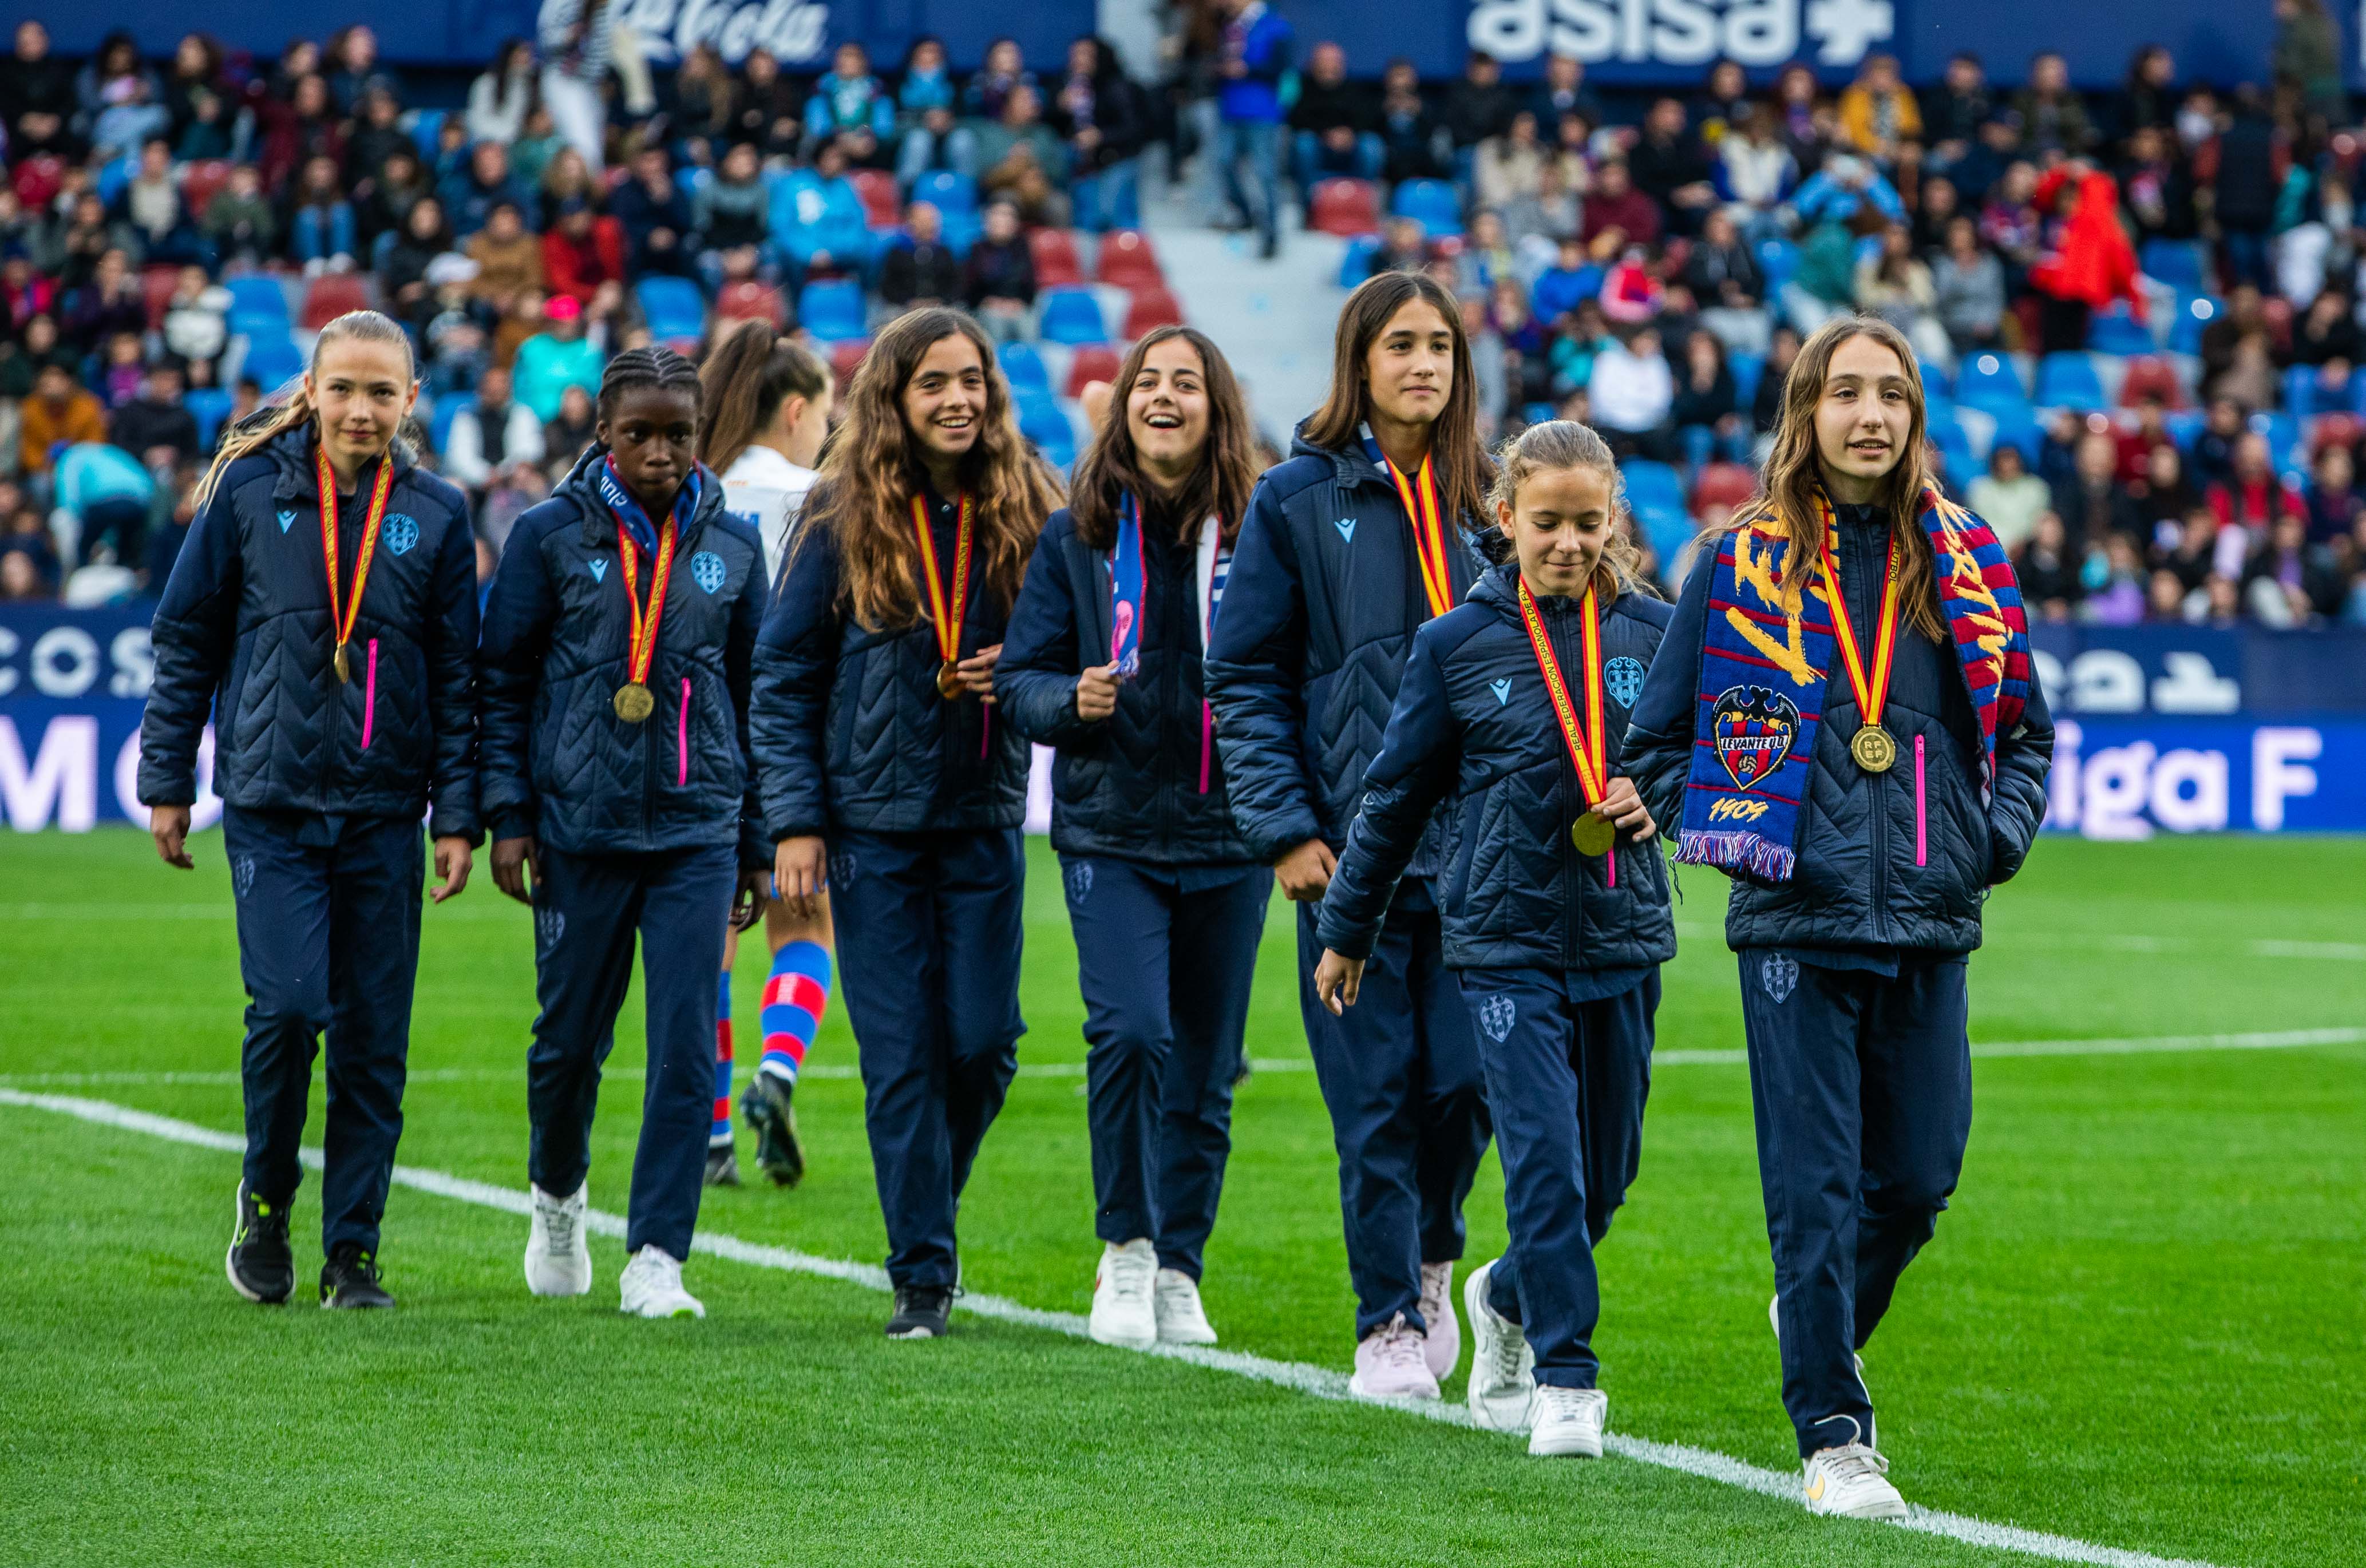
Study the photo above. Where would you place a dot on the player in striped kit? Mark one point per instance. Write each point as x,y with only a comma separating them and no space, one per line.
770,403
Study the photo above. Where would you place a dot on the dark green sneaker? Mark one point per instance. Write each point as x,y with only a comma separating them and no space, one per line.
260,1265
765,1107
349,1280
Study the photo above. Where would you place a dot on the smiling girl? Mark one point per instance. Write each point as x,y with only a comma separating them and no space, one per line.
887,779
1366,532
1513,706
323,613
1103,664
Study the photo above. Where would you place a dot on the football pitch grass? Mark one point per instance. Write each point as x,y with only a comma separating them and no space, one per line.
2142,1326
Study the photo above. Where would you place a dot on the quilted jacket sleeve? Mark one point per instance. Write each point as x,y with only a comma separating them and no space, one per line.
2017,806
449,641
1254,672
1657,751
1035,679
795,660
518,616
195,631
1419,760
739,672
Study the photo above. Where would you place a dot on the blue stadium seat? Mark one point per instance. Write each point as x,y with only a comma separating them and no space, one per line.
2069,380
1431,202
946,191
1042,421
1938,381
831,309
1073,316
113,176
2285,444
1024,368
273,360
2117,332
1747,368
2194,312
448,408
1778,258
427,129
2177,263
257,304
1356,265
209,406
675,309
1987,380
2183,425
1946,433
2306,394
1699,444
2016,425
1656,495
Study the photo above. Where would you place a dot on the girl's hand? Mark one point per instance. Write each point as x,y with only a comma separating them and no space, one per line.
1625,809
169,826
1336,981
800,873
1305,871
749,899
452,862
513,858
977,672
1097,692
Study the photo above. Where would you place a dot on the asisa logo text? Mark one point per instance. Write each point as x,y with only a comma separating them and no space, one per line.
1682,32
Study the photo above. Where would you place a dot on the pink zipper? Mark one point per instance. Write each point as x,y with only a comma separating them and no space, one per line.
1207,732
1922,844
1613,864
986,734
682,738
369,697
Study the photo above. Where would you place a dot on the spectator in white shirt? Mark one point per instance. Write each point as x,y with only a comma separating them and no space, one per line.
1633,391
492,436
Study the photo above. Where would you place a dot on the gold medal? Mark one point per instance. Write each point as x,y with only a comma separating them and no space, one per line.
945,611
345,666
1592,835
635,703
1875,749
949,680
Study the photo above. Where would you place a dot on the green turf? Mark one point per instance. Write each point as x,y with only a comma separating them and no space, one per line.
2141,1322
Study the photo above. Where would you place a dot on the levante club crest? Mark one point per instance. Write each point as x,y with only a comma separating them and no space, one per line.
1755,727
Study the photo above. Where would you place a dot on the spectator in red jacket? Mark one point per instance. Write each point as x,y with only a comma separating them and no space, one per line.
1616,214
583,258
2088,263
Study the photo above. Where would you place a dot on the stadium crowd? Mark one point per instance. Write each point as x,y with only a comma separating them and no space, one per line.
2138,311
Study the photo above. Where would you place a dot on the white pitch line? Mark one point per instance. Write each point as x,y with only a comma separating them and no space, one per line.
1320,1382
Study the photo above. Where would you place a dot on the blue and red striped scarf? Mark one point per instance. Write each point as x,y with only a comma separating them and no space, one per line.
1764,663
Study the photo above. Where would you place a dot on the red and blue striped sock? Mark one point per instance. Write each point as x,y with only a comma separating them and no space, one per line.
795,996
721,1131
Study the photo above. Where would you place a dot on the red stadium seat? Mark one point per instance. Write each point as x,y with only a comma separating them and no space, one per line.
845,355
200,181
156,284
2148,377
1090,362
1151,308
331,295
1056,263
1723,484
883,207
750,300
1346,208
2334,430
1128,260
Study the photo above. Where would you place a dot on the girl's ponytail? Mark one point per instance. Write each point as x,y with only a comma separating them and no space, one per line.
291,405
746,380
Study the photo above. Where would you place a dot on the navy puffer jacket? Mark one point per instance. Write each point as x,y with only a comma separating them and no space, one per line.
560,764
849,730
1144,782
1903,859
1319,614
243,636
1474,725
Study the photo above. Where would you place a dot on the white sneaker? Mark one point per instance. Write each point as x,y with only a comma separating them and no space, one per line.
1181,1319
1851,1481
1389,1364
1568,1421
558,1263
652,1287
1442,1346
1123,1312
1503,1365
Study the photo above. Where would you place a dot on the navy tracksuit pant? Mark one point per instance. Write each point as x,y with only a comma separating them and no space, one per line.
1401,1077
587,909
1862,1087
930,928
1165,956
1567,1074
328,939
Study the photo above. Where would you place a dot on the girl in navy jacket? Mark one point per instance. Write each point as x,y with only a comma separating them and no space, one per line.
888,776
1556,910
1361,537
618,638
323,613
1103,664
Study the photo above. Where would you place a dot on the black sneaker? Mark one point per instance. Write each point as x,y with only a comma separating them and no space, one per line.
765,1107
350,1279
260,1265
722,1166
920,1312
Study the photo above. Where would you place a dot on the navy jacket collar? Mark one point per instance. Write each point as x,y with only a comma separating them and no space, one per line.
582,486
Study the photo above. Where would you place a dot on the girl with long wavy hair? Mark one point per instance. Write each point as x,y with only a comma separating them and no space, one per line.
1103,664
1371,529
888,777
1844,719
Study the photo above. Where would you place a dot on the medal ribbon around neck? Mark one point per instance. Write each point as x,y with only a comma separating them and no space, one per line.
1588,748
642,652
947,614
1872,689
1419,495
341,622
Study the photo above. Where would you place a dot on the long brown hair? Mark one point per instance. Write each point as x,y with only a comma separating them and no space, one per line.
1456,457
1561,443
1221,484
747,377
291,405
872,471
1792,481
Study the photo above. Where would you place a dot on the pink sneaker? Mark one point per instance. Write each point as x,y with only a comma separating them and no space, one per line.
1442,1345
1389,1364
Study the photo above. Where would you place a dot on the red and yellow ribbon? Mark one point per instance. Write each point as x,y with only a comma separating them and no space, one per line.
341,621
1872,689
946,614
1588,746
642,650
1420,497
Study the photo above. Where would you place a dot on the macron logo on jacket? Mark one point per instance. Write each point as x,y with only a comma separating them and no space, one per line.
1347,527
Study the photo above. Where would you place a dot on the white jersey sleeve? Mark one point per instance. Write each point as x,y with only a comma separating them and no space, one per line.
766,491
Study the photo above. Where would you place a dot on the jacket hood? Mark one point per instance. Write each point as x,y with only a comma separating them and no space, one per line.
1348,463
